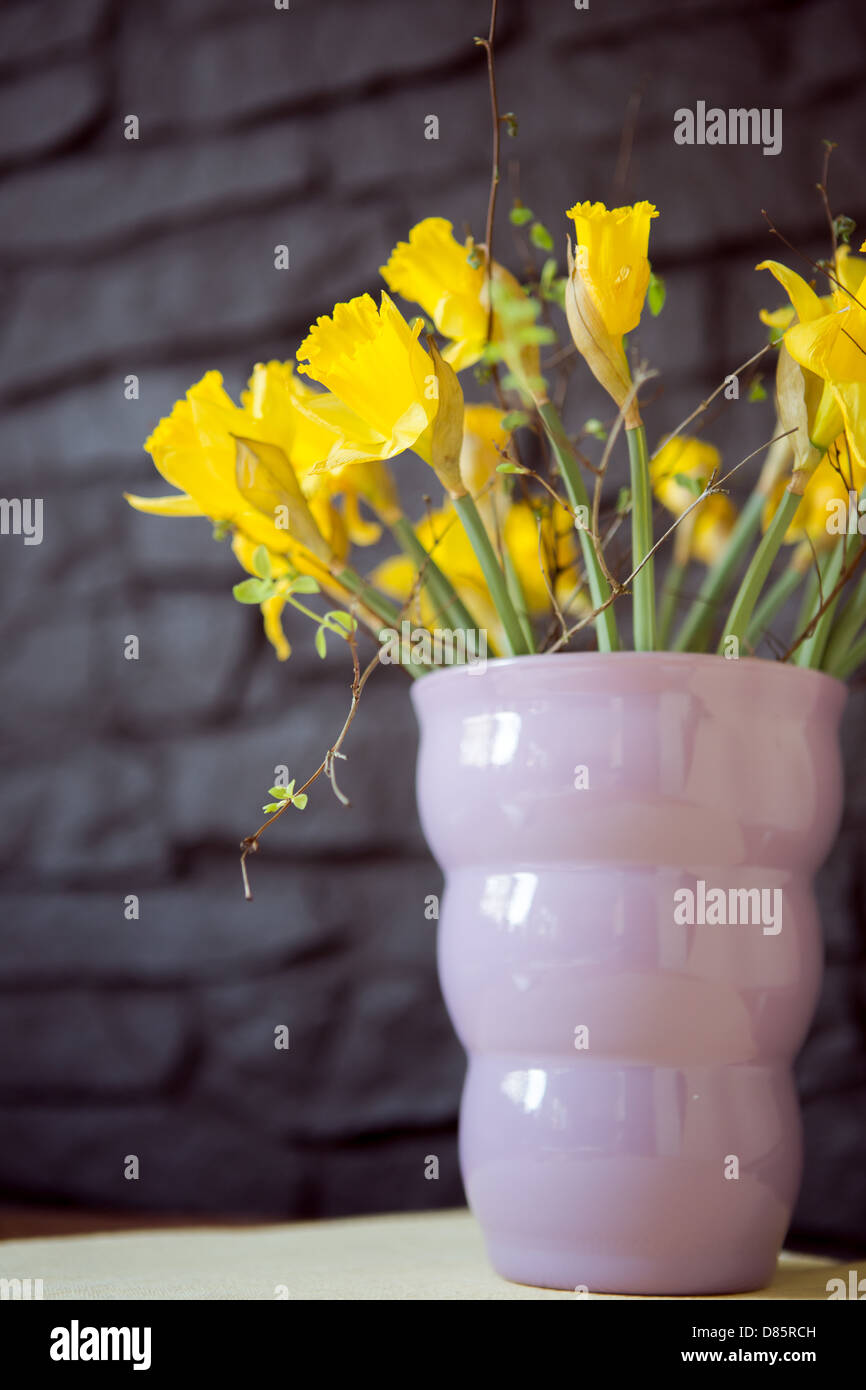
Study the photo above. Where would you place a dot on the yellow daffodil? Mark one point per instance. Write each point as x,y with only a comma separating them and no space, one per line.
828,346
434,270
388,394
714,521
607,283
484,443
611,260
450,281
372,362
254,470
833,479
306,423
684,457
196,449
679,471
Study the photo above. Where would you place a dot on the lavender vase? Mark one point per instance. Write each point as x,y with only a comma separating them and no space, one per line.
629,1122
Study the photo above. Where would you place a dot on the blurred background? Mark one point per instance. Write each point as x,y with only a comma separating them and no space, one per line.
154,257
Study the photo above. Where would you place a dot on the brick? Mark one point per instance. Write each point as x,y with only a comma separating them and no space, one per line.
381,144
201,931
191,647
191,1158
201,1158
28,679
89,1043
37,29
92,431
45,110
186,290
339,1077
101,817
280,59
97,200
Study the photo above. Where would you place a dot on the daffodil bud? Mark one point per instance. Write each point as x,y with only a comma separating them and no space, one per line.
601,350
805,406
447,432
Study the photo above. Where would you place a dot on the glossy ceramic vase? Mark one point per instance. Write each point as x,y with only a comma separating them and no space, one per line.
629,1122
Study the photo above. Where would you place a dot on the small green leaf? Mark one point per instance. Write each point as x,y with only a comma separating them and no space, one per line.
519,215
300,800
757,391
253,590
321,644
304,584
623,501
510,468
282,793
656,294
262,562
540,236
844,227
690,484
273,806
515,420
536,333
342,619
595,428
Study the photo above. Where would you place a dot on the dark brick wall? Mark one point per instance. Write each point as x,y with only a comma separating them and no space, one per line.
155,257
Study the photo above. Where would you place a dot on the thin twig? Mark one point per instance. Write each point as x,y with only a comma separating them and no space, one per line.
487,45
699,410
250,844
821,269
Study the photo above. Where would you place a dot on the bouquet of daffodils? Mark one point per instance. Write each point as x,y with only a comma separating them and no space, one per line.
515,554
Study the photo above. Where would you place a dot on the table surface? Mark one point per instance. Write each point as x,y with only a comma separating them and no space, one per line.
428,1256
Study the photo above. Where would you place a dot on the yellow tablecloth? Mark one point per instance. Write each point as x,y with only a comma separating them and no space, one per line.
436,1255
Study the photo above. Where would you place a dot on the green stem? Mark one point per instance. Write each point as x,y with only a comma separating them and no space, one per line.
670,597
376,602
695,629
442,593
775,598
845,630
643,584
569,468
755,577
518,598
811,652
856,654
492,571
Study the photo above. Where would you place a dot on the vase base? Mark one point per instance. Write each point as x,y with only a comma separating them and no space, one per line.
638,1276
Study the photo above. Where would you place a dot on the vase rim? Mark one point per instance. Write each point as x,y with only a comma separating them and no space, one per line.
536,660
